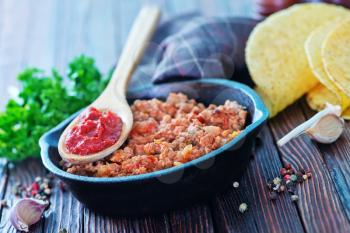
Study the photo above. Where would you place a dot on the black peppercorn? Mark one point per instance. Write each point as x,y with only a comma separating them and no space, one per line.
273,195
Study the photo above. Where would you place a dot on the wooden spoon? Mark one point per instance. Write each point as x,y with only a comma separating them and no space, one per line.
113,98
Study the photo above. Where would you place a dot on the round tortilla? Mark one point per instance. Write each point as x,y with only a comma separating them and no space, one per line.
313,46
275,52
318,96
336,55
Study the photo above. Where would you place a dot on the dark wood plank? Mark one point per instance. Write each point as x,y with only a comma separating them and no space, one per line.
263,214
24,173
193,219
318,197
96,223
227,217
337,159
65,211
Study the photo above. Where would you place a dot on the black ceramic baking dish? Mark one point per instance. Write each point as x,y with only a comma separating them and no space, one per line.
173,187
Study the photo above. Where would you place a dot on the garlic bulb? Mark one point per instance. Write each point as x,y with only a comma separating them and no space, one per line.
324,127
327,130
27,212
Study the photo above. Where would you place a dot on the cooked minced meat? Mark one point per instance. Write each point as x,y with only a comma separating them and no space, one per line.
167,134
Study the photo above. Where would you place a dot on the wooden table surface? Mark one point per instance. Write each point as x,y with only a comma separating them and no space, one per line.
49,33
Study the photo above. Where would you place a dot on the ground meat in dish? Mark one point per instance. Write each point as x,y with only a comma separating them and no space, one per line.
167,134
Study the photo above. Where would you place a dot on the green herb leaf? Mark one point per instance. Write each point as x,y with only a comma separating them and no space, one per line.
44,101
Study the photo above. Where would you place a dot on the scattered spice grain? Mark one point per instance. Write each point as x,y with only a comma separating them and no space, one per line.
293,178
305,177
287,180
294,198
273,195
243,207
39,189
308,173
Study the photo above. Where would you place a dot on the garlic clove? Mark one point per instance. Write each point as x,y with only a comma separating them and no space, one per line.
305,127
327,130
27,212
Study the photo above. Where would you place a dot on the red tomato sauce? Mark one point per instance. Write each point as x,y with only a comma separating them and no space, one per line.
94,132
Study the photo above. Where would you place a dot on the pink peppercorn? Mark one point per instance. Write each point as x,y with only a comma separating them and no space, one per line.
286,177
283,171
34,188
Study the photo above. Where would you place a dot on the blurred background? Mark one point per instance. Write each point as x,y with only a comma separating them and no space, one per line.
49,33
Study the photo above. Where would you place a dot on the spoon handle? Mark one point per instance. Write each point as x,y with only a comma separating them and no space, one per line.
137,41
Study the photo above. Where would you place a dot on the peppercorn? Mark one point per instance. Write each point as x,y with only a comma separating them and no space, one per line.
293,178
283,171
273,195
294,198
291,187
46,180
305,177
35,186
47,191
288,180
235,184
277,181
269,185
37,179
289,183
277,187
286,177
243,207
16,191
308,174
299,177
282,188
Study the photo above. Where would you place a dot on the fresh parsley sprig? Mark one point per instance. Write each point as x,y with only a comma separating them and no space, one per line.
43,102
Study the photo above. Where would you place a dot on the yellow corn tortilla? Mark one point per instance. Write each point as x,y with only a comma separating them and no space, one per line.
346,114
275,52
336,56
318,96
313,46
